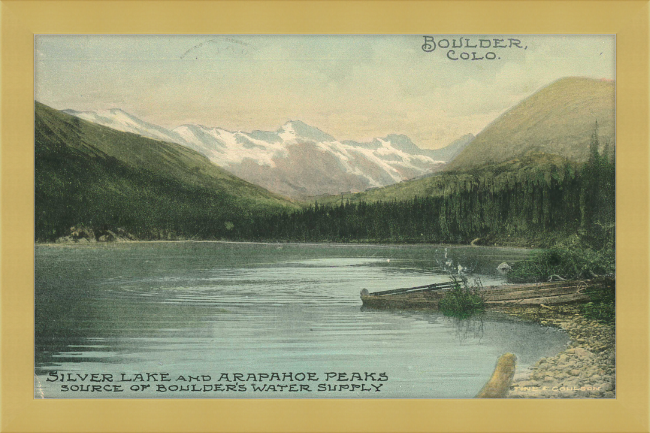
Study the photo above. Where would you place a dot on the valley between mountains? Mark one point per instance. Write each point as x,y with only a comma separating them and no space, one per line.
541,172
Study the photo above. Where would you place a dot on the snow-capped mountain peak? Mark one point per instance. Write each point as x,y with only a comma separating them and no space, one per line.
296,129
296,160
403,143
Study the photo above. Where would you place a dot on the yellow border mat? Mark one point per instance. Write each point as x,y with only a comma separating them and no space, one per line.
21,20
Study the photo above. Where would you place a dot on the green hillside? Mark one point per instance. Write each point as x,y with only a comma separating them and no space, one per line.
103,179
444,183
559,119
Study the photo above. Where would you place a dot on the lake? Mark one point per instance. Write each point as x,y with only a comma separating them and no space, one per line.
252,320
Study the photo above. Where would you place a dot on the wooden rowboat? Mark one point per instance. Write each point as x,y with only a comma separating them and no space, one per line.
428,297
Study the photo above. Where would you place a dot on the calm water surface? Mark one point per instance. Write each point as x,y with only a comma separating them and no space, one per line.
213,309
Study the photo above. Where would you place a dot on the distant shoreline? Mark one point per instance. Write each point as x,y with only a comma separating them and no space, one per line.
341,244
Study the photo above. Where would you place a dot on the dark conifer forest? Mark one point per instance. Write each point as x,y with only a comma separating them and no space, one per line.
521,205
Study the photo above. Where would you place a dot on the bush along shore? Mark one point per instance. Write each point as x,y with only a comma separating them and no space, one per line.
586,369
462,301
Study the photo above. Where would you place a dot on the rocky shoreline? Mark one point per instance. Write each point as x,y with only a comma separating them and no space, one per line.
83,235
586,369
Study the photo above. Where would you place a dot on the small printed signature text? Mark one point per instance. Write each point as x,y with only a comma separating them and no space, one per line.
555,388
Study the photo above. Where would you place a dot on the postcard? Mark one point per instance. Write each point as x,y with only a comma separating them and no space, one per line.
299,217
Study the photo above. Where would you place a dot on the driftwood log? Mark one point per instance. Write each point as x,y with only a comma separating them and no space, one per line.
499,384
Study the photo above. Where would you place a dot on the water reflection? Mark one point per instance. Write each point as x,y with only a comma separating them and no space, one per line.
464,330
468,328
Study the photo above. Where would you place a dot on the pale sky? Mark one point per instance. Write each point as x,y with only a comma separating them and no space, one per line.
352,87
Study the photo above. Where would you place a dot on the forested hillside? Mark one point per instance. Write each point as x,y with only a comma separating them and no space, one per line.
101,179
538,200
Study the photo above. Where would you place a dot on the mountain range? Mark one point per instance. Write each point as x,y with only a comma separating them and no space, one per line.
157,183
297,160
300,161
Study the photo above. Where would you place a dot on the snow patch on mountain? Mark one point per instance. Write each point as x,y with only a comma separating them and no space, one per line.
227,148
120,120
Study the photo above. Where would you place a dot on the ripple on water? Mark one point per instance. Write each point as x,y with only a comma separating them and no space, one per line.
212,308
